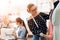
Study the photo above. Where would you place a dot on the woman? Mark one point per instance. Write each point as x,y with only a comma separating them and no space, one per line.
6,29
37,22
49,36
20,30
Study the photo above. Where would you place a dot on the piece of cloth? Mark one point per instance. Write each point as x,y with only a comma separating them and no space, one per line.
41,23
56,23
56,3
21,32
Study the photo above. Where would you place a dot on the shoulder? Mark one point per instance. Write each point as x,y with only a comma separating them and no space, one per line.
43,14
30,18
23,28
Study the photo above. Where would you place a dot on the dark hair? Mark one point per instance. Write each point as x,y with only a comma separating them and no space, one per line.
19,20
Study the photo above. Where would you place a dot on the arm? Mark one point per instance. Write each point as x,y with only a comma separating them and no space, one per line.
23,32
50,31
14,34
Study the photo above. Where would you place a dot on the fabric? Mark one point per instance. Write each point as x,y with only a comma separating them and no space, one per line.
6,33
50,30
56,23
41,23
56,3
20,32
38,38
35,37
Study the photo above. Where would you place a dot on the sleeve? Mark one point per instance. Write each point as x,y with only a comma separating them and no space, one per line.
22,34
33,28
45,16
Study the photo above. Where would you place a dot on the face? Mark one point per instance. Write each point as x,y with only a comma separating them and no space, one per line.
33,10
18,23
5,20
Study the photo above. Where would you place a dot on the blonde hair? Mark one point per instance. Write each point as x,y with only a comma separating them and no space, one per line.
29,6
5,19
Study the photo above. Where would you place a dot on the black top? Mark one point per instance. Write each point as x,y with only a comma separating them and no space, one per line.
56,3
41,23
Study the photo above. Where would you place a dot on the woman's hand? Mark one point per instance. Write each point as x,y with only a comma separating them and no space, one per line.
41,34
14,34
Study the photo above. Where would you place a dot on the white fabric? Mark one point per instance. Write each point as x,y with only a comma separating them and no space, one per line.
56,23
6,33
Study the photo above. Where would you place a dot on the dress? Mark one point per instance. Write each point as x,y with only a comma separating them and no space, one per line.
56,23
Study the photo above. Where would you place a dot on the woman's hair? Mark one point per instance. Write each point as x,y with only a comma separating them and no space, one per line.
19,20
29,6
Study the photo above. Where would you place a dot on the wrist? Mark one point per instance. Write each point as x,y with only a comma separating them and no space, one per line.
41,34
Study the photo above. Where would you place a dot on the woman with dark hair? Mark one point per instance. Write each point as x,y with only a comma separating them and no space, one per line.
20,30
37,22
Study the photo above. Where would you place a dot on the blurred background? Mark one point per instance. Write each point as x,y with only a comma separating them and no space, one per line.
18,8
